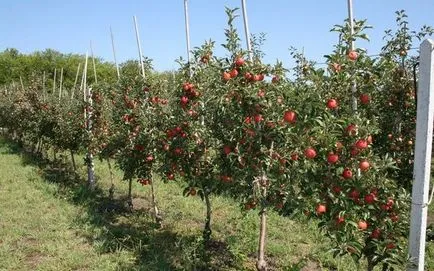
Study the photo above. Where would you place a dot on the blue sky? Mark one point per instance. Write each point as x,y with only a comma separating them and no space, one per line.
68,26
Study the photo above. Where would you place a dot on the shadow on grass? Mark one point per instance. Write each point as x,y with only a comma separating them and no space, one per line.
111,226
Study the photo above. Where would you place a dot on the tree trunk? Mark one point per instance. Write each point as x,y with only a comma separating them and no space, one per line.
73,160
130,197
34,148
90,172
39,150
112,186
207,229
261,264
386,267
158,218
371,265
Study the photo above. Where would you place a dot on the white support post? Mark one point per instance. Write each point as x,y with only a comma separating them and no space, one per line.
88,120
43,86
246,29
84,78
114,54
22,84
54,81
352,48
75,81
422,156
90,163
351,21
93,61
187,35
61,84
139,47
82,84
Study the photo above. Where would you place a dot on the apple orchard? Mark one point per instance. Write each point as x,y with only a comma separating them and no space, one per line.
273,141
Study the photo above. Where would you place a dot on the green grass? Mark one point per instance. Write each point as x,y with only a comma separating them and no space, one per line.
49,221
37,230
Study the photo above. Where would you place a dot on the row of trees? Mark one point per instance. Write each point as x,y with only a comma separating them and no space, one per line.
45,67
241,128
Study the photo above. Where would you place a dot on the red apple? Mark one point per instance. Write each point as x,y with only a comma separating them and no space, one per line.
332,158
332,104
227,149
347,174
233,73
361,144
370,198
376,233
320,209
362,225
290,116
310,153
226,76
365,98
364,165
353,55
239,61
351,129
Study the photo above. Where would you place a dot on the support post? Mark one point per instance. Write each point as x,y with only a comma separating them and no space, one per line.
88,119
422,157
22,84
75,81
139,47
114,54
43,86
61,84
246,29
54,81
93,61
352,48
187,35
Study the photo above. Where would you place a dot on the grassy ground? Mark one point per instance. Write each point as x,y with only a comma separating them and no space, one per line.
48,221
